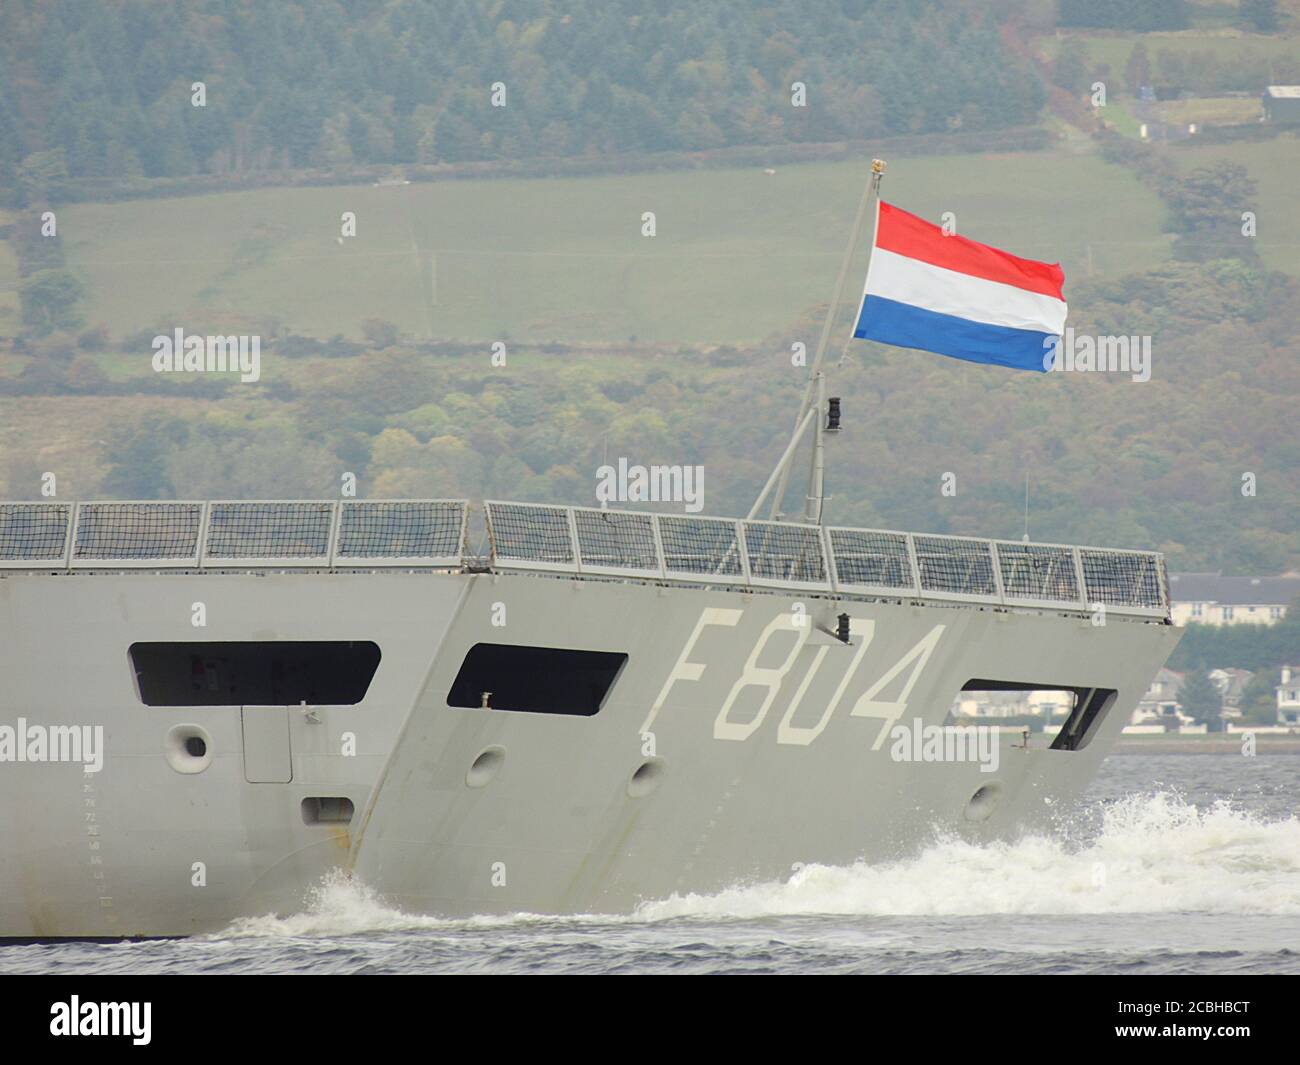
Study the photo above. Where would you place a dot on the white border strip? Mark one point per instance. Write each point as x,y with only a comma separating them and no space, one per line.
775,582
61,561
740,579
263,562
338,561
525,563
187,562
618,571
884,590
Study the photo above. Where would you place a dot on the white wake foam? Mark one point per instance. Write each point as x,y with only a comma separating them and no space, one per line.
337,906
1153,854
341,905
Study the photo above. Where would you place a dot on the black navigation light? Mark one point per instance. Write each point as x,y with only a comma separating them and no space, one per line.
833,414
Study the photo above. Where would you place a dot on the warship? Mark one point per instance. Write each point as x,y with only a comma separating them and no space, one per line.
497,707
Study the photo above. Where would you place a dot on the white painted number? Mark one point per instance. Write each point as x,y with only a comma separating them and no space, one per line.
755,676
802,736
771,679
890,711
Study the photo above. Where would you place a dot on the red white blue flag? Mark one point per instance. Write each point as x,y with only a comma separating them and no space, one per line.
957,297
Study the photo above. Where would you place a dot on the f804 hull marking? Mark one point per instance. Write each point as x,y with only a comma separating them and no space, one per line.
789,733
772,679
868,706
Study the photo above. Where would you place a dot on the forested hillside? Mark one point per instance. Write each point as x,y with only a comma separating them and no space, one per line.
331,82
667,349
1110,460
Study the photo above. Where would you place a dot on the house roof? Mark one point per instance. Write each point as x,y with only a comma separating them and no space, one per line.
1170,677
1232,591
1284,91
1234,680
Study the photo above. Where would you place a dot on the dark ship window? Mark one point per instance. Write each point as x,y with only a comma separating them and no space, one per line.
538,680
254,673
327,810
1085,707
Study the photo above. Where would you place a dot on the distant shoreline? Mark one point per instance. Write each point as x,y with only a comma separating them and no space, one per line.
1218,743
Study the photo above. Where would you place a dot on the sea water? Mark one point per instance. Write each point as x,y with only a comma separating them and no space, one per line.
1175,863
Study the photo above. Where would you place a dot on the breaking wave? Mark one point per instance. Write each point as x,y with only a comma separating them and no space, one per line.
1152,853
338,906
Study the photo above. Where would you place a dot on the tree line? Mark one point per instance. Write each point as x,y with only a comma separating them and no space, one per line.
1112,462
111,86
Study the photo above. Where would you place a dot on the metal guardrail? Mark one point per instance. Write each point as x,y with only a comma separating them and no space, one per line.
695,550
580,540
401,532
233,534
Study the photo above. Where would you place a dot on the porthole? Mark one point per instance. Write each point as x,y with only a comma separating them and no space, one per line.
485,767
188,748
648,776
983,802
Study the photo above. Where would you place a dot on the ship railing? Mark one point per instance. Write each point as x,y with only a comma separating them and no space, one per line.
238,534
792,555
675,548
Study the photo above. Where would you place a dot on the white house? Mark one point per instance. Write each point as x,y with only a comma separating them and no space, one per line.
1231,683
1212,599
1288,697
1161,699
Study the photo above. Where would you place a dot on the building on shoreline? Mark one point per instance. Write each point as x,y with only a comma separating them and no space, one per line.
1212,599
1282,104
1288,697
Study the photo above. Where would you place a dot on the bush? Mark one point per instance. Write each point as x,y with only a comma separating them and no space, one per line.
379,333
94,339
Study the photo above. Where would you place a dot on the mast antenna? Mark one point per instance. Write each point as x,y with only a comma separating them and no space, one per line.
1026,506
815,391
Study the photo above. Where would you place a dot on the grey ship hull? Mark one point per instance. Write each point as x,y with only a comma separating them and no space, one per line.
555,817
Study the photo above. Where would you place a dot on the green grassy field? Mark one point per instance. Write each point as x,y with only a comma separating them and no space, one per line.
1226,45
1274,165
1205,111
1121,119
1211,110
738,254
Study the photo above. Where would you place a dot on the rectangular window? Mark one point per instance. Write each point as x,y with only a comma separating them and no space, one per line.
537,680
254,673
327,810
1036,705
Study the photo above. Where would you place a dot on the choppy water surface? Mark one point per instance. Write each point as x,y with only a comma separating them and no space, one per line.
1175,864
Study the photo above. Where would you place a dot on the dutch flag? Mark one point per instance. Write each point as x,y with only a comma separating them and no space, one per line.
957,297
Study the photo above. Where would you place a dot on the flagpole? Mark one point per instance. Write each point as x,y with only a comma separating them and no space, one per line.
870,198
817,462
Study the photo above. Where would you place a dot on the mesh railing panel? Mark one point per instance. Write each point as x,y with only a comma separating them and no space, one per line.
429,529
872,558
700,546
1036,571
958,567
137,531
33,532
529,532
269,530
779,551
617,539
1122,578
